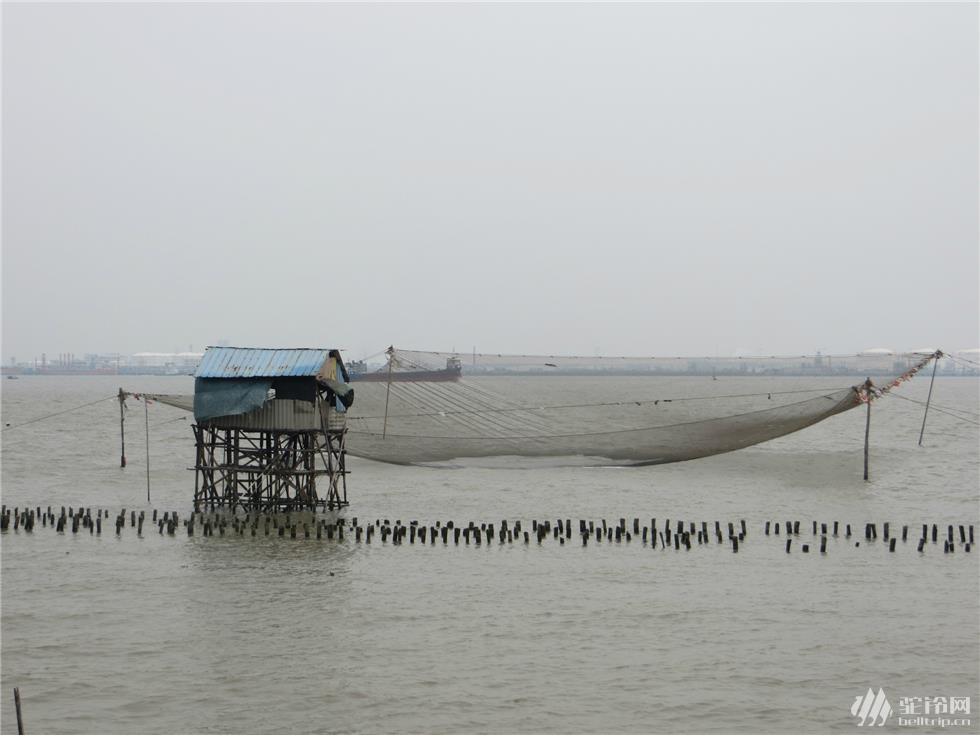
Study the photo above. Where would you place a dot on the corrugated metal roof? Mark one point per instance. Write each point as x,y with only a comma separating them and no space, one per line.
247,362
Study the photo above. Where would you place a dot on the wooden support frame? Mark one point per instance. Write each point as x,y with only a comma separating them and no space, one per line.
271,470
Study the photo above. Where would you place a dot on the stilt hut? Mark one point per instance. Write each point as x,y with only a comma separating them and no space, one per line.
270,429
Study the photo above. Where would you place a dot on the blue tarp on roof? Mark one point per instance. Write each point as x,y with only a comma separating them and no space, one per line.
246,362
230,397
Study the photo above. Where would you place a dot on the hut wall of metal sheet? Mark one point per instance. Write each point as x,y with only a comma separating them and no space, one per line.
270,429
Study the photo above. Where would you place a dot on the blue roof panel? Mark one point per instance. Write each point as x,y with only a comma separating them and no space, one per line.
247,362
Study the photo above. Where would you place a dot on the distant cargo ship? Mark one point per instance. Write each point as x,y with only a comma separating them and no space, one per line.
357,372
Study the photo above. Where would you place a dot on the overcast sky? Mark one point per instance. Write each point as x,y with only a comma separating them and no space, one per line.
665,179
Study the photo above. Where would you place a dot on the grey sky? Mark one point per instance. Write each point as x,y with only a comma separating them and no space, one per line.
633,179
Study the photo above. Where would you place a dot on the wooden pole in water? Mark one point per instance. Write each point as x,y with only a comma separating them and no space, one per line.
20,720
122,429
935,364
867,426
391,361
146,412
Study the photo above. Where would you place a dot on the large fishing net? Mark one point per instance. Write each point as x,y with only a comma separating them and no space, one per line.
417,407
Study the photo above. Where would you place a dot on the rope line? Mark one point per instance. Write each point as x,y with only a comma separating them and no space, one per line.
402,356
59,413
944,409
957,358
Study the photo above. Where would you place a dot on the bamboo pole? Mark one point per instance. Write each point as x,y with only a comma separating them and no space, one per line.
391,361
935,364
146,413
122,428
20,720
867,427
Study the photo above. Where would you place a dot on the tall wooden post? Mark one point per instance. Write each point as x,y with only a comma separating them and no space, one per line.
867,427
122,428
146,412
20,719
391,362
935,364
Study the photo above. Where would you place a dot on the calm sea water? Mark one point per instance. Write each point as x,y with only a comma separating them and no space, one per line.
107,634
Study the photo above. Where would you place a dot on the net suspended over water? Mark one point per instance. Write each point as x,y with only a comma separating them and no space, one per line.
419,407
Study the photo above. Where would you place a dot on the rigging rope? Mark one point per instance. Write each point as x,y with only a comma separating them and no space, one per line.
59,413
949,411
957,358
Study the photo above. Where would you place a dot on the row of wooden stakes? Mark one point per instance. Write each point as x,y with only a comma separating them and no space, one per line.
681,534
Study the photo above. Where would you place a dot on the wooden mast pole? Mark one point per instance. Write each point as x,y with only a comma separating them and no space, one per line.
122,428
20,719
391,361
867,427
146,412
935,364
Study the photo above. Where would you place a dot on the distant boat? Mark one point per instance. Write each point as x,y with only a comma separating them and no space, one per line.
11,377
358,373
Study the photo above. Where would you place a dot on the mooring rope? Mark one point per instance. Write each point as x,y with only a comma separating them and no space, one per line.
59,413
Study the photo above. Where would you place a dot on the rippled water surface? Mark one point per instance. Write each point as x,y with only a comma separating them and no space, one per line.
159,634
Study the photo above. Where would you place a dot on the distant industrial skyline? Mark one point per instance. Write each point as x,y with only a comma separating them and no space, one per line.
67,358
190,357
